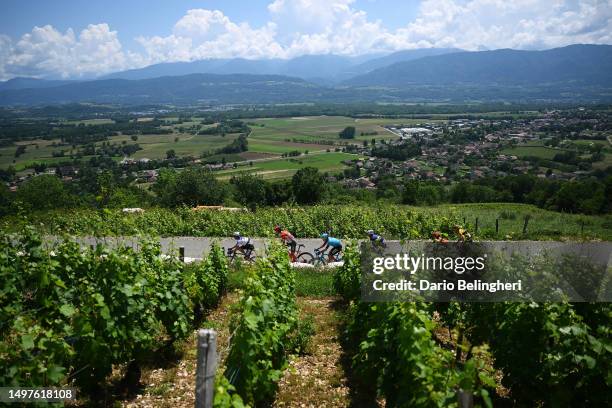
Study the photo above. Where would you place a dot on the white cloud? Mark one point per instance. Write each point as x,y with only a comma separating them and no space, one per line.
325,26
45,51
202,34
298,27
471,24
523,24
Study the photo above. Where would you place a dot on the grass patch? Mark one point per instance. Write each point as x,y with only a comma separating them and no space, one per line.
542,152
542,225
314,282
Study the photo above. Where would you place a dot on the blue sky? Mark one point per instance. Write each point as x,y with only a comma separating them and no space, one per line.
133,18
72,39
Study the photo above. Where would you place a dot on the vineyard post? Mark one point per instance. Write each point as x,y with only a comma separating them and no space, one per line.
206,368
466,399
182,254
476,227
526,223
497,225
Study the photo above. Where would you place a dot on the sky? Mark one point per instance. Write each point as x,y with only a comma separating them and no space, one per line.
84,39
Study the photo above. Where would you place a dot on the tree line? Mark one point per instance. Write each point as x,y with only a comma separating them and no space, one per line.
197,185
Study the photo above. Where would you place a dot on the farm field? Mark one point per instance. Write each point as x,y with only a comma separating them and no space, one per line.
153,147
533,151
269,138
32,153
286,167
100,121
156,146
537,149
324,128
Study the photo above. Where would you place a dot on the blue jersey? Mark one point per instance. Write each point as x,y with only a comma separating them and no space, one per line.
334,242
376,237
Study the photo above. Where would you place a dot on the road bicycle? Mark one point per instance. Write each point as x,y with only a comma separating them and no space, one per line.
300,256
321,258
248,255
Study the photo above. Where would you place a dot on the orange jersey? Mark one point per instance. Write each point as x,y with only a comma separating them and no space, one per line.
286,236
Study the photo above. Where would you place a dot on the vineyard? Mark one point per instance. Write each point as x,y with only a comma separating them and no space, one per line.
73,316
69,315
486,221
550,354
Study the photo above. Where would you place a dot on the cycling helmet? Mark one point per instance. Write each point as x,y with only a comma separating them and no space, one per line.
370,232
236,235
277,228
324,235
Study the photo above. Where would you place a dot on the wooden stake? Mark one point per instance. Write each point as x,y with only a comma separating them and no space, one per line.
206,368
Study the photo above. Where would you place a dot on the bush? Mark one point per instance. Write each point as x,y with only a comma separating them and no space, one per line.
69,311
267,320
206,281
394,355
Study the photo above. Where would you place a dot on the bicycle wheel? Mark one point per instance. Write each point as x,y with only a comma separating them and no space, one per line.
250,257
320,260
378,249
306,257
231,257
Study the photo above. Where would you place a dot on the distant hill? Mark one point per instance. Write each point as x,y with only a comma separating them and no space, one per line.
207,66
324,67
25,83
572,66
399,56
568,74
186,89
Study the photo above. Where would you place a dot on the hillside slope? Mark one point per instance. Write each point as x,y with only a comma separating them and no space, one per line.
575,65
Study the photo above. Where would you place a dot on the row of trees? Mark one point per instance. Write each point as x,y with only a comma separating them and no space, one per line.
590,196
191,186
198,186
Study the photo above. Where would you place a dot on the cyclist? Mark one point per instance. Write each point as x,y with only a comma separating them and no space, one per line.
332,242
462,234
437,236
376,240
243,245
288,239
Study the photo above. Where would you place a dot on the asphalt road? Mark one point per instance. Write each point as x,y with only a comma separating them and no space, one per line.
197,247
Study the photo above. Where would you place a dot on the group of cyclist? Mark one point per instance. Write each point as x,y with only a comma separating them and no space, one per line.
244,245
334,245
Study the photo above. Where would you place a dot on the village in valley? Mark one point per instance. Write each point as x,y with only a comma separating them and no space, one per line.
549,144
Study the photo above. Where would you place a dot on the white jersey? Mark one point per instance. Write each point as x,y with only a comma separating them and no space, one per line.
242,241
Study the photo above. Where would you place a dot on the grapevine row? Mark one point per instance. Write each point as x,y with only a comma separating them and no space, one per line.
550,354
347,221
558,354
264,332
67,315
395,356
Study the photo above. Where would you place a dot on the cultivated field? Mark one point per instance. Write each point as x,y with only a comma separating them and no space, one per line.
286,167
303,133
269,139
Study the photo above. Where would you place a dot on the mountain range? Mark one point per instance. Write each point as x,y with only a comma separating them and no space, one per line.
323,69
583,64
25,83
572,73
